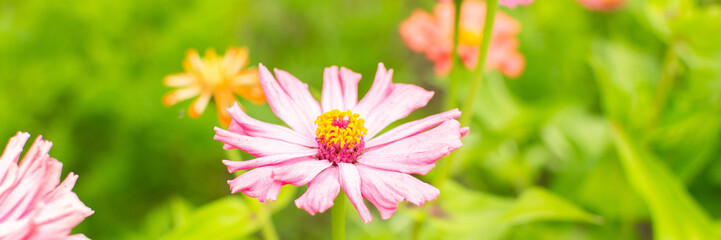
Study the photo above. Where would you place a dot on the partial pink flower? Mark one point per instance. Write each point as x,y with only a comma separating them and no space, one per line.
34,204
514,3
602,5
336,144
433,36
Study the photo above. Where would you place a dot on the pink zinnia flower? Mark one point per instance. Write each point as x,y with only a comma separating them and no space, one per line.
33,202
514,3
433,35
602,5
336,144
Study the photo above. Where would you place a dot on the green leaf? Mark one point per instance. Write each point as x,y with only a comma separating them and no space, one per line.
536,204
675,213
225,218
466,214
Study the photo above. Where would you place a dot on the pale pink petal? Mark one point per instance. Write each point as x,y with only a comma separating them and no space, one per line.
412,128
65,187
298,91
268,160
11,155
256,146
332,95
60,216
385,189
283,105
349,81
257,183
382,86
464,131
247,125
514,3
416,154
33,204
36,157
351,183
15,229
322,190
299,173
398,104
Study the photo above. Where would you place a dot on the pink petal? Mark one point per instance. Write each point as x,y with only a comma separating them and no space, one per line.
247,125
412,128
351,183
322,190
15,229
257,183
292,112
349,81
385,189
382,86
332,95
514,3
60,216
416,154
65,187
36,157
10,155
268,160
256,146
398,104
299,173
298,91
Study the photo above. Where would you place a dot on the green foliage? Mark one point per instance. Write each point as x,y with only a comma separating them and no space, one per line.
612,132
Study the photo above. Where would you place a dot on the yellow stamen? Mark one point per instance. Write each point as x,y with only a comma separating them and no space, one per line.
331,134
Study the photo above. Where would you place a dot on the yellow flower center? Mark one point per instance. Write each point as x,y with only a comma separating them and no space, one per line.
341,129
467,37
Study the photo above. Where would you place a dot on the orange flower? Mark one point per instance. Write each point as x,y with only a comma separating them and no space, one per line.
215,77
602,5
432,34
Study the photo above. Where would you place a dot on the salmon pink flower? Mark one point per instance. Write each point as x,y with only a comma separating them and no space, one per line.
433,35
34,204
337,144
214,77
602,5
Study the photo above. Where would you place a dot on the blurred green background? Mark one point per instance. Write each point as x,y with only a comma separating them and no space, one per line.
612,132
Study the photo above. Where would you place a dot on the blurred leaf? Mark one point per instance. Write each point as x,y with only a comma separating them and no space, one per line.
465,214
675,213
625,76
225,218
536,204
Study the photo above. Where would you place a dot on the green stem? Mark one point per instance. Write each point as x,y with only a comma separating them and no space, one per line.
264,211
268,227
668,74
338,217
453,86
478,73
477,78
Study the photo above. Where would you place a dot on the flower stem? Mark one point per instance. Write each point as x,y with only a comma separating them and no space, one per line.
477,78
338,217
668,75
453,82
480,70
268,228
264,211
